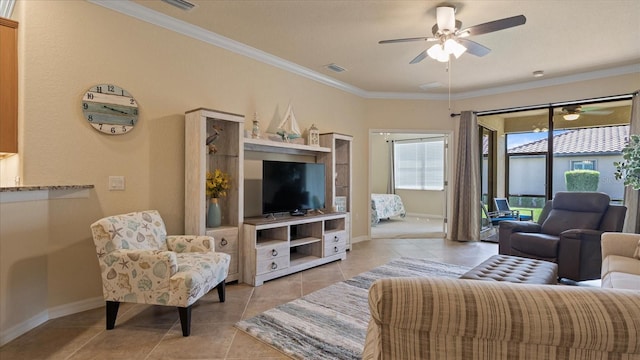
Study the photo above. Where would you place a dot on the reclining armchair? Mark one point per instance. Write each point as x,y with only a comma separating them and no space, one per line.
567,233
141,264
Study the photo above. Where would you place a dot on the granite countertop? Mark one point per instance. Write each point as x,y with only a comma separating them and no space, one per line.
44,187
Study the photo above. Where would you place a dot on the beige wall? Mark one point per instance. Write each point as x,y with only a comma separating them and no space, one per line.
68,46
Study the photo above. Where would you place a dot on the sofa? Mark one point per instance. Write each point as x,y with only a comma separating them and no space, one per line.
621,261
446,318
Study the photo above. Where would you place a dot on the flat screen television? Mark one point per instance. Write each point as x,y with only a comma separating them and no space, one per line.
292,187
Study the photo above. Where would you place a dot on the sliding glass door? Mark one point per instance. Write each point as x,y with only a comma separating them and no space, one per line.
564,147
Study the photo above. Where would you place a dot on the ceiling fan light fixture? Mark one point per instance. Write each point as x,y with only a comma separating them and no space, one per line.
437,52
571,117
453,47
446,18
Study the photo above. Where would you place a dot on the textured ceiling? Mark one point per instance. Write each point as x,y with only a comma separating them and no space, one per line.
562,38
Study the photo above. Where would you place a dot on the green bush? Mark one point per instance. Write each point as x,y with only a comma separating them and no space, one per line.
629,168
582,180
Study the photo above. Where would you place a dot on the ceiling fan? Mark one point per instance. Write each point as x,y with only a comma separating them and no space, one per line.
451,39
572,112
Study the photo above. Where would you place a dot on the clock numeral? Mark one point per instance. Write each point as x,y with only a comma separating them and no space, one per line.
113,129
90,96
124,128
132,122
99,89
132,102
111,88
85,105
135,111
100,128
90,118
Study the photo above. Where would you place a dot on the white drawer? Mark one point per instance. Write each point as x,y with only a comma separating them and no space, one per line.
335,238
268,265
334,249
271,252
226,240
335,243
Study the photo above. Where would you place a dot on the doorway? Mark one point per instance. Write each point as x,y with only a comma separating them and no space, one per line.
408,174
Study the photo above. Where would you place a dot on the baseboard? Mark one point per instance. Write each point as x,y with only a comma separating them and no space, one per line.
358,239
44,316
76,307
25,326
428,216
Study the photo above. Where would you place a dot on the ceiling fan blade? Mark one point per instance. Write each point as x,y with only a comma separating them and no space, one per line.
423,38
492,26
474,48
419,58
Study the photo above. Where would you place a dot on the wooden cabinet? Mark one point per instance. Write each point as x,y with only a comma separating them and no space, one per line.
8,87
227,241
277,247
201,126
338,173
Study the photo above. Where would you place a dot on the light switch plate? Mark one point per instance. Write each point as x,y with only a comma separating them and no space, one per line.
116,183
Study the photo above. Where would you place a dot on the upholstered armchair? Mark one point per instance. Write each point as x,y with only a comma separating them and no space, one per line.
141,264
567,233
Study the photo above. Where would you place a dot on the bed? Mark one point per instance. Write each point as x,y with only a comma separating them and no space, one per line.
384,206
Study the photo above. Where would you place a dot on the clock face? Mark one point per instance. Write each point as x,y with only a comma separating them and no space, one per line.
110,109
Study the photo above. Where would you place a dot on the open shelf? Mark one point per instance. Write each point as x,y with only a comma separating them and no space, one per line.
281,147
300,259
303,241
268,242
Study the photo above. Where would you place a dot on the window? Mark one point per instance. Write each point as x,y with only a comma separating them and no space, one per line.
419,164
583,164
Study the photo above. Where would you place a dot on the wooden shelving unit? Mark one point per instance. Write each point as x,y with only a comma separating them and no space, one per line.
229,157
338,172
275,248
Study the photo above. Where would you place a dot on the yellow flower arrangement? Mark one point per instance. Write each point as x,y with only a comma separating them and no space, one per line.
218,183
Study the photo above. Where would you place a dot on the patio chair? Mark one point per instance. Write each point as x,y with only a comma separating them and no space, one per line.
502,204
491,221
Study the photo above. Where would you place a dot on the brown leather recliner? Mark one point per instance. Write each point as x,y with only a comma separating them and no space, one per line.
567,233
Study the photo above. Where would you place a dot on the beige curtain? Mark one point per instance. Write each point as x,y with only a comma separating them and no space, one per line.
465,218
391,182
632,197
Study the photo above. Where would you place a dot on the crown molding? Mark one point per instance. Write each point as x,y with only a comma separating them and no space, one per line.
145,14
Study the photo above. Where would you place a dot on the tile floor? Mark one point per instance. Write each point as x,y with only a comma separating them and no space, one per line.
153,332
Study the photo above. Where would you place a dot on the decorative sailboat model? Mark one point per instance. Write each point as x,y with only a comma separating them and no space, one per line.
288,128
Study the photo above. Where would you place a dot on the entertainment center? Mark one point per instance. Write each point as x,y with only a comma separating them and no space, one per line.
266,247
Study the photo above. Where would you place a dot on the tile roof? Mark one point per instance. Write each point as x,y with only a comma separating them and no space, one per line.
610,139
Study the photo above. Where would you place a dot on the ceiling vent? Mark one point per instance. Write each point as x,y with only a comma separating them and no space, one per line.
181,4
335,68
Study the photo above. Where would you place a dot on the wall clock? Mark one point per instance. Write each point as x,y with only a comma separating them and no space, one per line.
110,109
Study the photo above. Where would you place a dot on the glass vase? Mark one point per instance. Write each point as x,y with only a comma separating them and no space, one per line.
214,214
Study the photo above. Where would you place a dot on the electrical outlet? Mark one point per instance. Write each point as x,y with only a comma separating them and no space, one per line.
116,183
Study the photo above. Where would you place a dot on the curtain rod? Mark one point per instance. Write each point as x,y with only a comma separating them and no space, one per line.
542,106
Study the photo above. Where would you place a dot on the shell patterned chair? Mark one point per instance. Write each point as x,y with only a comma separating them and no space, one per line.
141,264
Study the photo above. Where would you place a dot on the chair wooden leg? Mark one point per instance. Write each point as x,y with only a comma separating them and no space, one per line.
185,320
112,313
221,289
